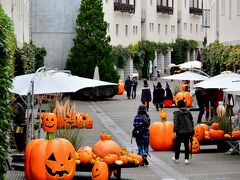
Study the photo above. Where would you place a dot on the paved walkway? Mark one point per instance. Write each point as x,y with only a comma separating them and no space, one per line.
115,117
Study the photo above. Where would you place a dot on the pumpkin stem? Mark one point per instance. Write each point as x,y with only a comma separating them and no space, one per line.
163,120
50,136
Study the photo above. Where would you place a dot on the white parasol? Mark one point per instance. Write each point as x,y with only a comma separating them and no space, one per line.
190,65
188,75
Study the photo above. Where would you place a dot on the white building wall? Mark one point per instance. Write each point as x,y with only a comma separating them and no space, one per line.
129,24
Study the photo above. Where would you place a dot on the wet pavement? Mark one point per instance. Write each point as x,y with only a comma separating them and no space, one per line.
115,116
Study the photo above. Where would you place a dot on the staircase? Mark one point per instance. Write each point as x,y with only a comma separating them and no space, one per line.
17,161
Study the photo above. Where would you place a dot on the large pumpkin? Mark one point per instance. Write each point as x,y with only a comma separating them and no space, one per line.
49,122
50,159
199,133
184,96
216,134
100,171
120,87
104,147
236,134
161,136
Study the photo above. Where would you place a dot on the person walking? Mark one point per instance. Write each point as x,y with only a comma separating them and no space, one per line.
134,87
146,96
201,98
128,86
183,130
158,96
168,96
142,120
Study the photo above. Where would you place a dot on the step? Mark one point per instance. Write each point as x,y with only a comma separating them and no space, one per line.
18,166
17,157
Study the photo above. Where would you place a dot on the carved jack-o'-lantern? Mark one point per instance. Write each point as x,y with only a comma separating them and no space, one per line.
69,117
100,171
79,121
184,96
199,133
50,159
195,146
89,123
49,122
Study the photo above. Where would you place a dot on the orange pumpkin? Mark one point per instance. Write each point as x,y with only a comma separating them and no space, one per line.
195,146
205,126
104,147
161,136
100,171
105,136
215,126
50,159
89,123
184,96
227,136
207,137
236,134
49,122
110,158
60,116
84,156
120,87
199,133
124,159
216,134
163,114
79,121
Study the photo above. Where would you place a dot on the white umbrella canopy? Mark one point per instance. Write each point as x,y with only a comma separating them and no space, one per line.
51,81
191,76
191,64
221,81
234,89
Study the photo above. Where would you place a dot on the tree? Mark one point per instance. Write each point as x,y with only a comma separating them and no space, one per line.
7,48
91,44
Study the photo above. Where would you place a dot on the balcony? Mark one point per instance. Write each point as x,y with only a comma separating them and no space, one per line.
195,11
164,9
122,7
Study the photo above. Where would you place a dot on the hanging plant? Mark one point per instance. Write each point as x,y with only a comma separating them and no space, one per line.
120,55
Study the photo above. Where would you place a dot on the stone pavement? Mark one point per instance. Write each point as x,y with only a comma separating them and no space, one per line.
115,116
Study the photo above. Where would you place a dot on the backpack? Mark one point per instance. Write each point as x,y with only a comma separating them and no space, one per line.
138,131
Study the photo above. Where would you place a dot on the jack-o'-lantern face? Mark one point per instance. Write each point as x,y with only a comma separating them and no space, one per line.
89,123
49,122
79,121
60,163
195,146
100,171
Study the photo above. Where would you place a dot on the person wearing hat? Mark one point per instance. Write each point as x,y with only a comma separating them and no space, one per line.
183,130
168,96
158,96
142,120
146,96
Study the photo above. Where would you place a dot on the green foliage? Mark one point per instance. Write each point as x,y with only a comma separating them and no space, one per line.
233,62
120,55
28,59
212,59
163,47
91,44
7,48
180,48
142,53
224,123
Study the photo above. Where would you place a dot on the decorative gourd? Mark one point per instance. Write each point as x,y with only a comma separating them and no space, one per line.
104,147
70,117
120,87
227,136
184,96
89,123
110,158
163,114
199,133
236,134
79,121
124,159
49,122
215,126
50,159
100,171
216,134
195,146
161,135
84,156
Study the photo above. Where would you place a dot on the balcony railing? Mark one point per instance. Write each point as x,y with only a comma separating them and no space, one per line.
164,9
122,7
195,11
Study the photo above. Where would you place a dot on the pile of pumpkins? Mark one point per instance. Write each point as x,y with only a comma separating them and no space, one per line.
67,117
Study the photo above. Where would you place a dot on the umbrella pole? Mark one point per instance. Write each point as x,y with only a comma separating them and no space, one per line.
32,110
40,119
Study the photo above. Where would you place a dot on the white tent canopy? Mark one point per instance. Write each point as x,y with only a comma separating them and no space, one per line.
51,81
221,81
188,75
190,64
234,88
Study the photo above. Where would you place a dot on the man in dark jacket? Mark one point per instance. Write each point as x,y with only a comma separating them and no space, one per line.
146,96
183,129
158,96
128,86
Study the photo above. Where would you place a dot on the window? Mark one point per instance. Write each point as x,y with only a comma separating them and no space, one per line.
136,30
172,29
164,2
159,28
191,3
196,28
185,26
190,28
166,29
108,27
117,26
238,7
126,30
230,9
185,3
151,2
223,7
151,28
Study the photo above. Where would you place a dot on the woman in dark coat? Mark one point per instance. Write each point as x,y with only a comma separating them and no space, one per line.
146,96
158,96
128,86
168,96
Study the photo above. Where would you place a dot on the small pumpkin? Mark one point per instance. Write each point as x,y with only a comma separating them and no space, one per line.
163,114
236,134
110,158
79,121
89,123
207,137
227,136
105,136
195,146
100,171
124,159
84,157
215,126
49,122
